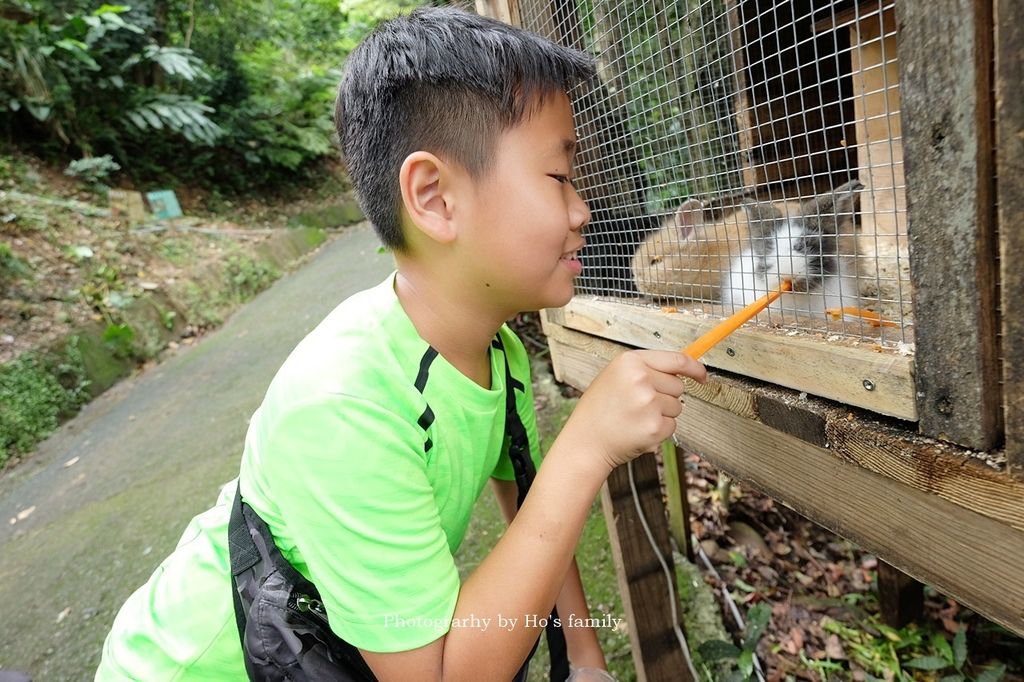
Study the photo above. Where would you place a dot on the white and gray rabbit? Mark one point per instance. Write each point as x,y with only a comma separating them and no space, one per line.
747,252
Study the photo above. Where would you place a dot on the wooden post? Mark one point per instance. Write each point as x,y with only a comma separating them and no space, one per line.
647,596
945,49
678,504
901,597
1009,49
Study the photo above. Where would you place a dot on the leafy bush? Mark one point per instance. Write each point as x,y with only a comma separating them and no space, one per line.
236,96
94,170
95,80
282,126
36,390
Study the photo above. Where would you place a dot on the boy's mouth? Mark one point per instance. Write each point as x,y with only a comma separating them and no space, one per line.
574,254
570,259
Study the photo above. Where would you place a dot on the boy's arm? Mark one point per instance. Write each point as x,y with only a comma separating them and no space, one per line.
584,649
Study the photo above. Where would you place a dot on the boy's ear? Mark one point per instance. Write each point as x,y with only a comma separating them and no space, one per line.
424,180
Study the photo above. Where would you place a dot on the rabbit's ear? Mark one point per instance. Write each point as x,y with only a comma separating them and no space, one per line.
689,215
846,200
762,218
834,212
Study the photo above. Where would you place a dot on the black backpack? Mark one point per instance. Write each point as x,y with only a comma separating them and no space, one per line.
282,623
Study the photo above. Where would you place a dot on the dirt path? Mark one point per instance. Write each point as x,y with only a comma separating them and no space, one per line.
113,489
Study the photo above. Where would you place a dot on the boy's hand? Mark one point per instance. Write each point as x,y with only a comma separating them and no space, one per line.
632,405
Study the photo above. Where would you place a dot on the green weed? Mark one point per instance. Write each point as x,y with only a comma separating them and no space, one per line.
893,654
120,339
11,267
715,650
175,250
248,276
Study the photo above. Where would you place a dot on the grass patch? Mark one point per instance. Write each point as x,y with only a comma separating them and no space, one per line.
176,250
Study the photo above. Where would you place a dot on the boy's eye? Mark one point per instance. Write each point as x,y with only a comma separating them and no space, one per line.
562,179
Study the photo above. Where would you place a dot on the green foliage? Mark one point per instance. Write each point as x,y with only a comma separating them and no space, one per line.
88,78
894,654
120,339
12,170
94,170
11,267
104,290
247,276
36,390
717,650
175,113
284,124
667,72
167,318
175,249
236,96
952,659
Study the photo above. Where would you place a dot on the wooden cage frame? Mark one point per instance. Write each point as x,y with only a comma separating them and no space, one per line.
885,450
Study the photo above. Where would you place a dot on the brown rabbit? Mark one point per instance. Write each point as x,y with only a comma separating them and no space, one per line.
690,255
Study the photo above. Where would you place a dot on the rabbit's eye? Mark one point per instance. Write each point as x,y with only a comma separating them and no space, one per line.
656,260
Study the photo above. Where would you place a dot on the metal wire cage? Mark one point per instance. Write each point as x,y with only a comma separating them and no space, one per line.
727,145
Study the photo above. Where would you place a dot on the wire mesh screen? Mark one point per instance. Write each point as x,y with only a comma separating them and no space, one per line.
727,146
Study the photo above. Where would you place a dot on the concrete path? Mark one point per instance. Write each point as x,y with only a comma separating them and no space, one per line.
114,488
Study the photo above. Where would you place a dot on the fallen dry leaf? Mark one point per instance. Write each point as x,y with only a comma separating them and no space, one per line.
834,648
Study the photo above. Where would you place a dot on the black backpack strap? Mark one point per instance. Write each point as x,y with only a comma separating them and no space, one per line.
522,465
255,558
244,557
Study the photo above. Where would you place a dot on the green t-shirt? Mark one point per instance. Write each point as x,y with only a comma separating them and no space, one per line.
366,483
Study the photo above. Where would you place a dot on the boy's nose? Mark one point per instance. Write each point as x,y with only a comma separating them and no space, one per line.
579,212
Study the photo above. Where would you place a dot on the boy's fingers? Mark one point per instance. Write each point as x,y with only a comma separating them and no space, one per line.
669,384
671,407
672,362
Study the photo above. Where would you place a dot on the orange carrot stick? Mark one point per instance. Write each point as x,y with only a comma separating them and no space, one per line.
730,324
871,317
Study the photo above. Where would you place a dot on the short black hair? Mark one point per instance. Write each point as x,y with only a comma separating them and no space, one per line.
441,80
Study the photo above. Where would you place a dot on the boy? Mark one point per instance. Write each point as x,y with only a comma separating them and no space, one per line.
378,433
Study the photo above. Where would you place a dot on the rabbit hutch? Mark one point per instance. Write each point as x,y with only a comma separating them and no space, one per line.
870,155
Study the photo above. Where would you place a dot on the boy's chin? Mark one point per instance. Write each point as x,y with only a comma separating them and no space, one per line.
560,300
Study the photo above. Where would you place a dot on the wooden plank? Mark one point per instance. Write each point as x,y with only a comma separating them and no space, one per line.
502,10
901,597
806,425
945,49
647,595
964,554
930,466
806,364
676,500
1009,74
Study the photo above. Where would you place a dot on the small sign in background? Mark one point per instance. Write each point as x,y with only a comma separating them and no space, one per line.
164,204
